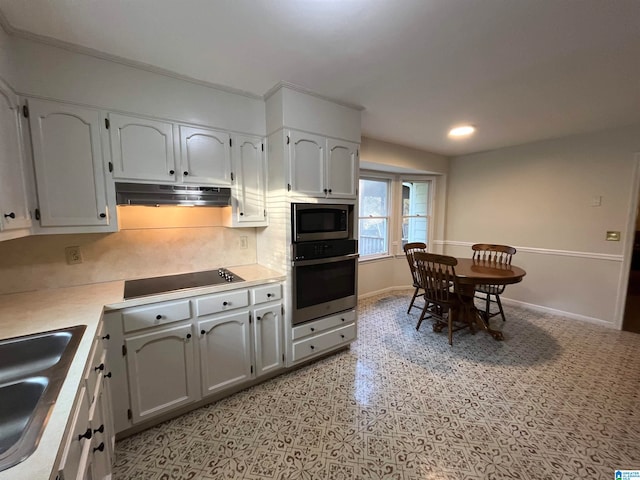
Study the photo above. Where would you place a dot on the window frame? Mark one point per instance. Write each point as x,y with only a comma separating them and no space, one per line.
388,179
395,214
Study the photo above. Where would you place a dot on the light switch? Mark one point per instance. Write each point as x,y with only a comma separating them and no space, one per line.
613,236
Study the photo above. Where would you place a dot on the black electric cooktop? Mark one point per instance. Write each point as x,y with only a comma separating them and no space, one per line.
155,285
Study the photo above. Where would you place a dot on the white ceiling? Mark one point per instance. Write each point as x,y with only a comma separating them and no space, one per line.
520,70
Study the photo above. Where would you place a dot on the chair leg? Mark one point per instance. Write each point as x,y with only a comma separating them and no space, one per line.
450,322
413,299
500,305
487,310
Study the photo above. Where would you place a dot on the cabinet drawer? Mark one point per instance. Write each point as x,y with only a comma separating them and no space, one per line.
95,370
317,326
76,439
156,314
323,341
221,302
266,293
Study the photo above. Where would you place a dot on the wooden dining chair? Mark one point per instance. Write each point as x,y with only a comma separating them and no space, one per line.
437,277
409,250
499,254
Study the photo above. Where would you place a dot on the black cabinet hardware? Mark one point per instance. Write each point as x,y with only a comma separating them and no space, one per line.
86,435
10,215
106,337
171,172
188,335
100,429
185,173
158,317
99,368
103,215
108,375
99,448
203,332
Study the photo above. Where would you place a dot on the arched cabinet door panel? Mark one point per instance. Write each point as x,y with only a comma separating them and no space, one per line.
206,156
68,164
161,371
225,351
307,164
250,189
14,209
142,149
342,169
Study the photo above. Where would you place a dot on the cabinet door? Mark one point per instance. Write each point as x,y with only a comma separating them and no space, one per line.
206,156
267,337
249,167
307,160
225,351
14,212
141,149
67,157
161,371
342,169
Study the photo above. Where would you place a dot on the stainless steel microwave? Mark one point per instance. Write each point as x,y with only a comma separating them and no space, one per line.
320,221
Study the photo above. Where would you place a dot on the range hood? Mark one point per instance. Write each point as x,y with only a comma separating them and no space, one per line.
188,195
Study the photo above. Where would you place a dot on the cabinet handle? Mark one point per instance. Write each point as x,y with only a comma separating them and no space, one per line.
106,337
342,319
325,190
171,172
224,304
10,215
185,173
99,367
313,329
312,347
158,317
99,448
100,429
103,215
188,335
341,336
269,295
258,318
241,214
203,332
108,375
330,190
86,435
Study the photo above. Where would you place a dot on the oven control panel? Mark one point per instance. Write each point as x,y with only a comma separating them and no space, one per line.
324,249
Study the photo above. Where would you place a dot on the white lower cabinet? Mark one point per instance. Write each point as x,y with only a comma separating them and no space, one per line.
225,351
87,451
267,337
323,335
178,352
160,364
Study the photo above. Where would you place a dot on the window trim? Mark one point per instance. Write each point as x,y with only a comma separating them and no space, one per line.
390,205
394,205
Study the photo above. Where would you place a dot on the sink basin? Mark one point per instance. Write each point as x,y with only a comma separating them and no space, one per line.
25,356
32,371
18,402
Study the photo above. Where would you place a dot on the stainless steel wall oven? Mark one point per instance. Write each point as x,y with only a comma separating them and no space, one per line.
325,276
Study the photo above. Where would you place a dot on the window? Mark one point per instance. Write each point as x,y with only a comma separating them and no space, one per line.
373,220
416,208
394,210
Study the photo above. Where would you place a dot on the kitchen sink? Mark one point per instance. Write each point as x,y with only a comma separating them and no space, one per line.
32,371
25,356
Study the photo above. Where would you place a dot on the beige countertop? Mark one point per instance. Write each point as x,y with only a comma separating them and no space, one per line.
39,311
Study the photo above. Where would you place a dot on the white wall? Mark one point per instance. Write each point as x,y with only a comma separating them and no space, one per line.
538,197
390,273
56,73
6,58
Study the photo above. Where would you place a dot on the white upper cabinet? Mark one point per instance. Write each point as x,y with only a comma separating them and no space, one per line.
68,163
307,164
249,165
141,149
342,168
14,210
206,156
322,167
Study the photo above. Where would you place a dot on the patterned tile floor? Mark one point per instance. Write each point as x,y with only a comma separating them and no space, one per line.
558,399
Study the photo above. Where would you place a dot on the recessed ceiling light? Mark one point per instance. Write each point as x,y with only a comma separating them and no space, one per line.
462,131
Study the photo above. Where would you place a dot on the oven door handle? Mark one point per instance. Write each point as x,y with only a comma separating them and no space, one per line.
319,261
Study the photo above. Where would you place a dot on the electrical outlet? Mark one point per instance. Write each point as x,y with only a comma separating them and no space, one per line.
73,255
244,242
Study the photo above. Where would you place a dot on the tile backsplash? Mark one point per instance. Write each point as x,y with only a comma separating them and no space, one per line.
38,262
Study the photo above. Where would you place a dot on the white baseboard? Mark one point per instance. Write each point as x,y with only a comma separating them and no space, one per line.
560,313
506,301
387,290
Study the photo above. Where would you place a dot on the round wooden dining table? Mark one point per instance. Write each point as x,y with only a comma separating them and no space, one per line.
470,272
